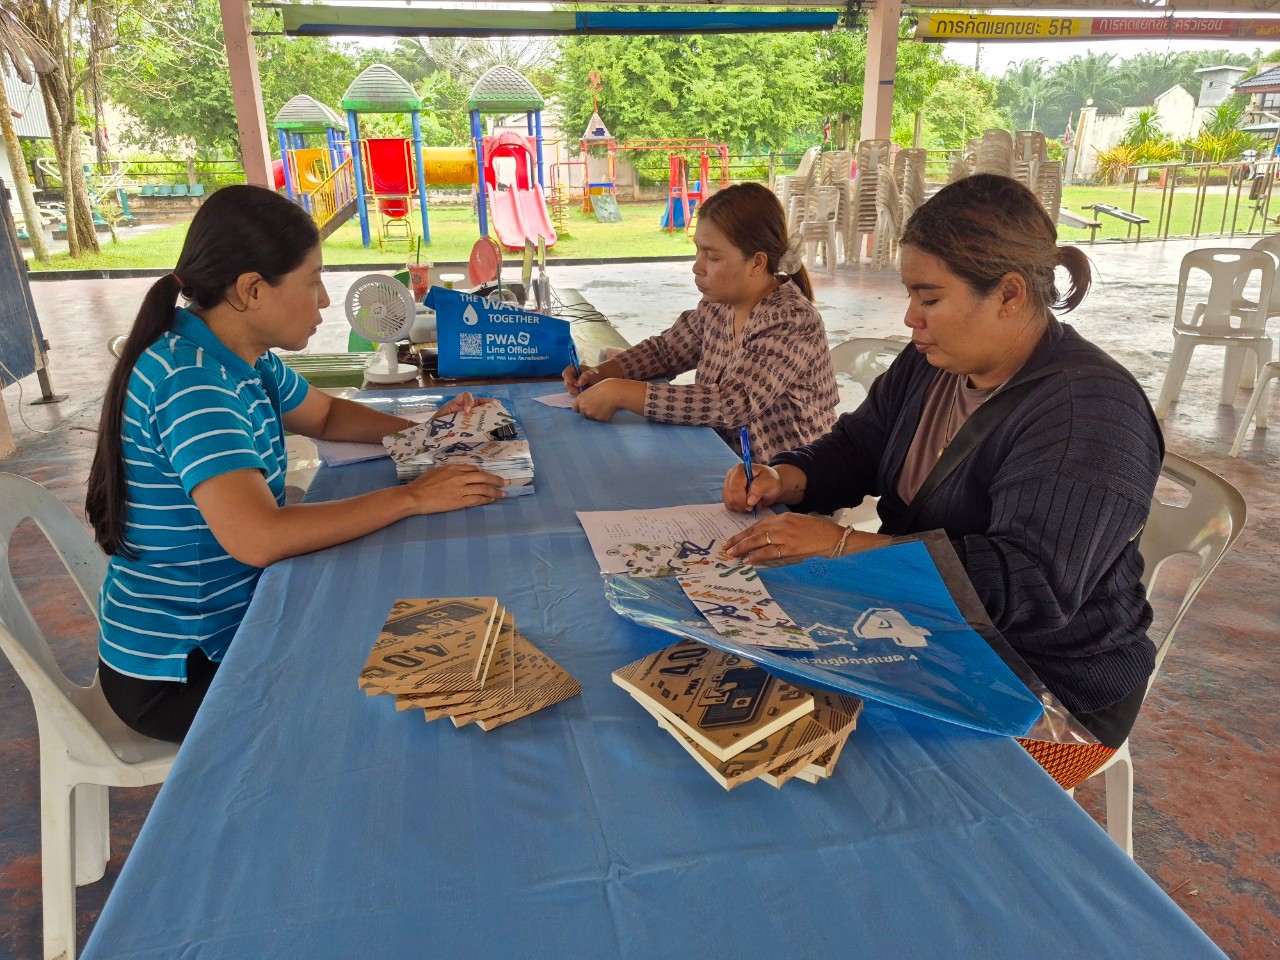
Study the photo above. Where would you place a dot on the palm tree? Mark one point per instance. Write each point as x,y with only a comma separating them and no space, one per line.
1030,88
1089,77
24,56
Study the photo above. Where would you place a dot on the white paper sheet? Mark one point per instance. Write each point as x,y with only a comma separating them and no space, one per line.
610,530
337,453
561,399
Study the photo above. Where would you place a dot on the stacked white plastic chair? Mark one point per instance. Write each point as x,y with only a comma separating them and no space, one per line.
819,228
793,189
837,171
873,156
1029,152
995,153
1218,321
963,163
908,174
888,223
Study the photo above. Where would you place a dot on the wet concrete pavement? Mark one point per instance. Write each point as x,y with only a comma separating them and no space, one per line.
1206,818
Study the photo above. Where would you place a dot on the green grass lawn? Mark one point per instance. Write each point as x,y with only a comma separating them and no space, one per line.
453,231
1147,204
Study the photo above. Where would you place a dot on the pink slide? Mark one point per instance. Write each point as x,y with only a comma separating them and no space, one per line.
520,215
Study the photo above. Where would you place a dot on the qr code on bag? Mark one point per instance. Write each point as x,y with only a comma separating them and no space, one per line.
469,345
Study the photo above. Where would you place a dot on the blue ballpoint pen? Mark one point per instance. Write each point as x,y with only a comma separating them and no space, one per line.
577,368
746,460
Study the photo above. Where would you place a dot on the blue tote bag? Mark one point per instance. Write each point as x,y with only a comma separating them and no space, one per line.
485,338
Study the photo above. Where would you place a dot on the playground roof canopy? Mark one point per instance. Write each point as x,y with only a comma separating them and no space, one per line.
503,90
379,89
305,114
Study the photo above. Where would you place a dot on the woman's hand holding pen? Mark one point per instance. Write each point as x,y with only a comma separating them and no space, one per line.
765,489
575,381
578,378
452,487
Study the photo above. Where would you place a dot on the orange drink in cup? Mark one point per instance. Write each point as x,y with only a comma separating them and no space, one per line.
419,279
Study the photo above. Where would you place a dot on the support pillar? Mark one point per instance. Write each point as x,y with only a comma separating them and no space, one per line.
882,68
242,59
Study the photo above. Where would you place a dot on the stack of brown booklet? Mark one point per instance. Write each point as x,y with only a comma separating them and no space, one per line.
737,720
462,658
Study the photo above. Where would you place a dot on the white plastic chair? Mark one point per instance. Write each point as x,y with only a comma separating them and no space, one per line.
865,358
1257,404
819,228
1212,323
1206,526
84,747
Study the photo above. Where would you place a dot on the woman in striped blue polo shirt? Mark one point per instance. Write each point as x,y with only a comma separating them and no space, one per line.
186,493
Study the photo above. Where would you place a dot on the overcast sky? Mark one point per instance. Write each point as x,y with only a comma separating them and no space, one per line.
996,57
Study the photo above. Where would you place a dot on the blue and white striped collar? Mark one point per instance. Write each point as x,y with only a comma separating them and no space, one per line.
186,324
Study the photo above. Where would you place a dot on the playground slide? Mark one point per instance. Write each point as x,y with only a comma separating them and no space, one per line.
520,215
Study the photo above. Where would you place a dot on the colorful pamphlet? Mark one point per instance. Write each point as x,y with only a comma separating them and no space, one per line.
739,607
723,702
442,657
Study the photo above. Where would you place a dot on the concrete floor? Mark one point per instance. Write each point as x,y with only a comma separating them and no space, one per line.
1207,824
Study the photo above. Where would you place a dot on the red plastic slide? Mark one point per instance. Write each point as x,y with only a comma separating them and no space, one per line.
520,215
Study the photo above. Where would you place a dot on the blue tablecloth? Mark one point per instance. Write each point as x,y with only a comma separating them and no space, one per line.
303,819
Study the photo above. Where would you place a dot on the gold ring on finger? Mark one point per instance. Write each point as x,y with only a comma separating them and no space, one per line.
767,538
779,549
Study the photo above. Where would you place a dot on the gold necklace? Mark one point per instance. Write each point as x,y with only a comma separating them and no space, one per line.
951,407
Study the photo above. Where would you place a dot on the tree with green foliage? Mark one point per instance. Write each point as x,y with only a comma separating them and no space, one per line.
1027,90
169,70
22,55
959,108
59,25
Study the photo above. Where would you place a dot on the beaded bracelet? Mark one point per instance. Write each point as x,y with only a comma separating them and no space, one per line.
839,550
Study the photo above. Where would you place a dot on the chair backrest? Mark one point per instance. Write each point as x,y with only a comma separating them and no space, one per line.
1268,244
1228,269
865,358
57,698
826,205
1205,526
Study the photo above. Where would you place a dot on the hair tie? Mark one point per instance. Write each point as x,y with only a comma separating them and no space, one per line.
792,261
179,279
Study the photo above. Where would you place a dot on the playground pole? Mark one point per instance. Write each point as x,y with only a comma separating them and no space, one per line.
537,133
353,136
422,175
477,138
284,159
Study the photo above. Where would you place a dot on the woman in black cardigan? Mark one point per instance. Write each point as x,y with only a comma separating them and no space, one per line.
1045,510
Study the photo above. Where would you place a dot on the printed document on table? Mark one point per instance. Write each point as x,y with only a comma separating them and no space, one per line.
610,531
336,453
557,400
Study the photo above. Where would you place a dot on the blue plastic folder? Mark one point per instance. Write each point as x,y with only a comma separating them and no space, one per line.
485,338
888,629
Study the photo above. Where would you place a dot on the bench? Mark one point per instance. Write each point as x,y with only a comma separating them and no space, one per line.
1068,218
1125,215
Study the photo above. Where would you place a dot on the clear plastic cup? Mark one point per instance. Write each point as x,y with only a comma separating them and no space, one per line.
419,278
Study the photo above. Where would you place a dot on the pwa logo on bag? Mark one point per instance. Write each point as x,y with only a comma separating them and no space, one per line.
885,623
469,316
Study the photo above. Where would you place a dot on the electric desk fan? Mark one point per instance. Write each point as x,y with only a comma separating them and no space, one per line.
381,309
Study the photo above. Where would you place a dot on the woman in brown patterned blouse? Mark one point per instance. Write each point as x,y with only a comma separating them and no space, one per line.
756,340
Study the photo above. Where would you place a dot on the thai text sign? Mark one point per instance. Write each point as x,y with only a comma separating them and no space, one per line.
942,27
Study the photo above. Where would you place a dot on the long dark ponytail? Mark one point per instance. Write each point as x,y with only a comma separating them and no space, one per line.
238,230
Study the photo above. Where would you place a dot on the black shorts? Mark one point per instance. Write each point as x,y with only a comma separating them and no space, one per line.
160,709
1111,725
